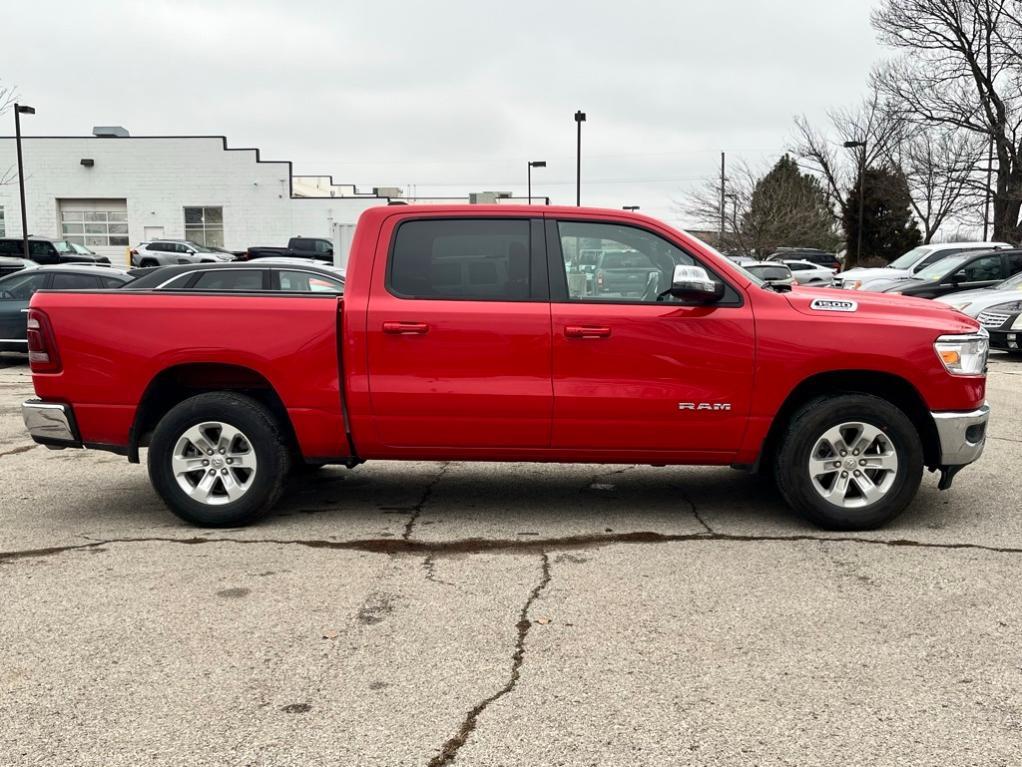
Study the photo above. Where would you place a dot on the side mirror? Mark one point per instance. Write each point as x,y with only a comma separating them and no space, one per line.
694,285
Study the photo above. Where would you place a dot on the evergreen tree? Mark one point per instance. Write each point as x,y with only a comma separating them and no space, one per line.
789,208
888,228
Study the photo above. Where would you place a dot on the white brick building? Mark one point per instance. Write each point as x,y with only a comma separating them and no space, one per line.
109,193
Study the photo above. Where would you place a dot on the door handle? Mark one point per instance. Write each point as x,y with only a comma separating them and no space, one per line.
405,328
587,331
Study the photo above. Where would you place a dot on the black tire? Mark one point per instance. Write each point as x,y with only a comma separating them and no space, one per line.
147,262
810,422
264,438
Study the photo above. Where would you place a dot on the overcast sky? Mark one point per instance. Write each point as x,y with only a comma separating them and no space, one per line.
449,95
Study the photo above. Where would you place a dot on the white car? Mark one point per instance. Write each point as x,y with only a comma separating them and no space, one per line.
166,252
808,273
975,302
908,264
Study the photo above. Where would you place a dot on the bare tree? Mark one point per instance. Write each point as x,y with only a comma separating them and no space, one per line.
703,206
942,167
872,122
961,67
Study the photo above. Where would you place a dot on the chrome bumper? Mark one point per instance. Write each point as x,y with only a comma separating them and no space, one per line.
50,423
962,435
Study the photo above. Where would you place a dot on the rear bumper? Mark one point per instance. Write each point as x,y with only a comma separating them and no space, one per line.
51,423
962,435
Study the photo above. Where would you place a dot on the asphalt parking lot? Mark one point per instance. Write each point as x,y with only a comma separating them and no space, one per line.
423,613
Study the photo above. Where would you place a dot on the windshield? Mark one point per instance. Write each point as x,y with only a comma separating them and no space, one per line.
906,260
938,269
1010,283
198,248
63,246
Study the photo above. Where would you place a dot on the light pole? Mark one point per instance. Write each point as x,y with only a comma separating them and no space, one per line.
580,117
534,164
19,110
632,208
862,191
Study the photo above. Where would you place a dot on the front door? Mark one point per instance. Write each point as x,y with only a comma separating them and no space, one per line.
458,334
635,370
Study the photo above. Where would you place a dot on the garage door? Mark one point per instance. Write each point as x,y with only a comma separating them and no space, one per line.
100,225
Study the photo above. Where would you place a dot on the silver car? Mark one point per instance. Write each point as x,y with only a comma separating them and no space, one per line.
975,302
808,273
167,252
908,265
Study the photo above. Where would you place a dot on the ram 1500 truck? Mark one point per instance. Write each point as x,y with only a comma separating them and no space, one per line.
465,334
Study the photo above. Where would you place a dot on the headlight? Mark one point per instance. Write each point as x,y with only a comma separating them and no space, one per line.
1006,308
964,355
1017,324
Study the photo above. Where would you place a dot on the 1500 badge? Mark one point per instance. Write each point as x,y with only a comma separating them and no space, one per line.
833,305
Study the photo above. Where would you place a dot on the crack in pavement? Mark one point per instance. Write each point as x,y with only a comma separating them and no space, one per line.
450,749
516,546
21,449
416,510
429,566
692,505
1005,439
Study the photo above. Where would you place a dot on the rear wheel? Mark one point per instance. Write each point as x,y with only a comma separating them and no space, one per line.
218,460
849,462
148,262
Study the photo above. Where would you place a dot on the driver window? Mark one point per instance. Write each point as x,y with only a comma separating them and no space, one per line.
22,287
614,263
982,269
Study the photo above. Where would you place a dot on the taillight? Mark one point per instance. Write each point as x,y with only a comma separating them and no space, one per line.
244,256
42,347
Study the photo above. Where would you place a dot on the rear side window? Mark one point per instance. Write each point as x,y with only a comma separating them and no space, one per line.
1013,263
466,259
40,248
307,282
244,280
74,282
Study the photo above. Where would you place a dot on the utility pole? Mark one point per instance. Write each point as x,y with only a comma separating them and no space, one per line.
723,193
990,171
19,110
580,117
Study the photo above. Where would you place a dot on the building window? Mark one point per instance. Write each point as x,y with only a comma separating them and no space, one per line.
205,226
3,228
95,228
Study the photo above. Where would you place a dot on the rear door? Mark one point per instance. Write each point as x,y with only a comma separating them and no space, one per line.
644,373
458,334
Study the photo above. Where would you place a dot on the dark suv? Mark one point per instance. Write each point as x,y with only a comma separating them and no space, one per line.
44,251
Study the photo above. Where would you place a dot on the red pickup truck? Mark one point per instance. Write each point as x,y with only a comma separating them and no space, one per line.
477,333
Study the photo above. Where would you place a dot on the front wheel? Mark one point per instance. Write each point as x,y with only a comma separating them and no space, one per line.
849,462
218,460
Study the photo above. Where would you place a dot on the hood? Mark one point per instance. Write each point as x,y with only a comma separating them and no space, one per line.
837,305
973,302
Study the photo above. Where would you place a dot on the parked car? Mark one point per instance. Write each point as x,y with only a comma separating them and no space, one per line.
10,265
964,271
163,252
45,251
17,289
460,337
812,255
68,247
771,272
909,264
622,272
317,248
1003,322
267,274
973,302
808,273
